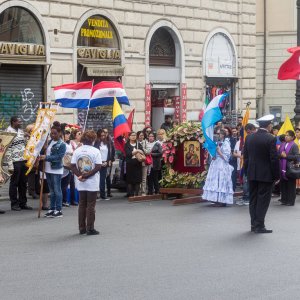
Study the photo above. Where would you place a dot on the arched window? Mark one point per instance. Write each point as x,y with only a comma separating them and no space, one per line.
162,49
97,31
18,25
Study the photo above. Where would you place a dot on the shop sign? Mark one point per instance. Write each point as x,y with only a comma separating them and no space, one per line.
220,58
183,103
21,49
176,101
148,105
97,31
99,54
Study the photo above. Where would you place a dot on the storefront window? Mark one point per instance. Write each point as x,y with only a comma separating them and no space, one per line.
17,25
162,49
97,31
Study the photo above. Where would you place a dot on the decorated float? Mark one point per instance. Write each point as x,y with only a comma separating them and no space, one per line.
185,171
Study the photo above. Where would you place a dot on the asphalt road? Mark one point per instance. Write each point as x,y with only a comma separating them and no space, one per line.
151,251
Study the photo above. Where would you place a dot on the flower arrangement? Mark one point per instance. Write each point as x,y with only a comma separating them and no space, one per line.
176,136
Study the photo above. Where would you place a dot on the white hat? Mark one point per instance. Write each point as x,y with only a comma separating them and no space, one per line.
266,118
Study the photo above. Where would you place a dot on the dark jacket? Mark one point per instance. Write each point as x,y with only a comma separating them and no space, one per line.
261,161
292,155
156,154
111,149
57,153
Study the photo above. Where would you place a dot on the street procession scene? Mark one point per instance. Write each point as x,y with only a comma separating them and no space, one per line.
149,149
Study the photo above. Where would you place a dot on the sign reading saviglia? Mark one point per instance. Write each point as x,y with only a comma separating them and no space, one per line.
98,53
21,49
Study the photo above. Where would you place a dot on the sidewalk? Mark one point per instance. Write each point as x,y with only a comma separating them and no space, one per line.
4,192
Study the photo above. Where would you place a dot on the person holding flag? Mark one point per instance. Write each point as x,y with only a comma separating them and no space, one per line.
218,184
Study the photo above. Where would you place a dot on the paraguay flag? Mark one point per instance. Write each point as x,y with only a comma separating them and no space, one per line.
105,92
74,95
120,123
211,116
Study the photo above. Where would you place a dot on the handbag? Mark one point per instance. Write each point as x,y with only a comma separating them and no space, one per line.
293,170
139,156
67,160
149,160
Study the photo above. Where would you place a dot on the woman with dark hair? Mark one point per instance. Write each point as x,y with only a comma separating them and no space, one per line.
147,130
86,164
288,151
54,170
141,139
133,166
218,183
103,145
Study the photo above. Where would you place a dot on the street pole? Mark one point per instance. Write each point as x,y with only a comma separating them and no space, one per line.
297,108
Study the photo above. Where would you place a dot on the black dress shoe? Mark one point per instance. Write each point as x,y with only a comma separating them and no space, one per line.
263,230
2,212
26,207
16,208
92,232
83,231
288,204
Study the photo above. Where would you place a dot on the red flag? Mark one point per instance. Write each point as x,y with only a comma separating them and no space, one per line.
130,118
120,144
290,69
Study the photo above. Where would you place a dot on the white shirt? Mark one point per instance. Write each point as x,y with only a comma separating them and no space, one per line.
85,158
237,151
48,168
104,151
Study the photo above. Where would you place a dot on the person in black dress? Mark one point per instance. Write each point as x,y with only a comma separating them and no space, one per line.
261,165
288,152
133,166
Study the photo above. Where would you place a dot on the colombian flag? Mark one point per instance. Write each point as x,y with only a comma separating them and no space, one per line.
120,124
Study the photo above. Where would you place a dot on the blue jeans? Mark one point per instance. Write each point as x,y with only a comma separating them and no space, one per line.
103,172
54,184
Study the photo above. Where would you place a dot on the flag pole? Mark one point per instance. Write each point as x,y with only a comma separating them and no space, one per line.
87,113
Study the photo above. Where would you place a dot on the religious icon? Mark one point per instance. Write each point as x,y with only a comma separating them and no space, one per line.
191,154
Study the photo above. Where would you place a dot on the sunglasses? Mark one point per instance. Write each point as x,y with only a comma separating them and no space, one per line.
67,132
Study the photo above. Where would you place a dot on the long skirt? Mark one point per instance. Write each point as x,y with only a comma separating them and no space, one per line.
218,184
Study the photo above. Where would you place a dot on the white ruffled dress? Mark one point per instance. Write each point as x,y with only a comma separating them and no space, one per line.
218,184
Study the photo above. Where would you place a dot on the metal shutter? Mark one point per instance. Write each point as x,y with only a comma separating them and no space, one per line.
21,90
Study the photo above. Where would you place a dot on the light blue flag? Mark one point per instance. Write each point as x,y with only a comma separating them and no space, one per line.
211,116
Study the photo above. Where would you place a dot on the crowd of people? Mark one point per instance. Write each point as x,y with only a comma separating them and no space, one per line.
77,168
262,164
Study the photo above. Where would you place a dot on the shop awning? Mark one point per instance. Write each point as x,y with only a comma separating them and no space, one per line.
95,70
24,62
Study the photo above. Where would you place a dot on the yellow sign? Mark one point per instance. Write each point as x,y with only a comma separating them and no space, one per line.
98,28
22,49
98,53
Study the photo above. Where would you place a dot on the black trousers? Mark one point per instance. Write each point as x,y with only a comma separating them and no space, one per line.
65,181
153,182
31,178
288,191
260,197
18,184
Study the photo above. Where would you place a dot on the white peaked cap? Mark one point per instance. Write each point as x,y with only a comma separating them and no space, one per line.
266,118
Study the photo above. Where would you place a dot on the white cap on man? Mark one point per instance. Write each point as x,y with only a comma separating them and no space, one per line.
265,120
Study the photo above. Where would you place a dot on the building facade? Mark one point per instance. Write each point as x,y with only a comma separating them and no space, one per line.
170,55
276,32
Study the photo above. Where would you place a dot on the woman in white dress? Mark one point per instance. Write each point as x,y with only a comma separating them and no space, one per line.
218,184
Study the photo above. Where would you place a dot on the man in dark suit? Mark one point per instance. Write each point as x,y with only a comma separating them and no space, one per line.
261,164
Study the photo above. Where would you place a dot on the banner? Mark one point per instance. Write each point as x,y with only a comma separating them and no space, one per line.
5,140
39,135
